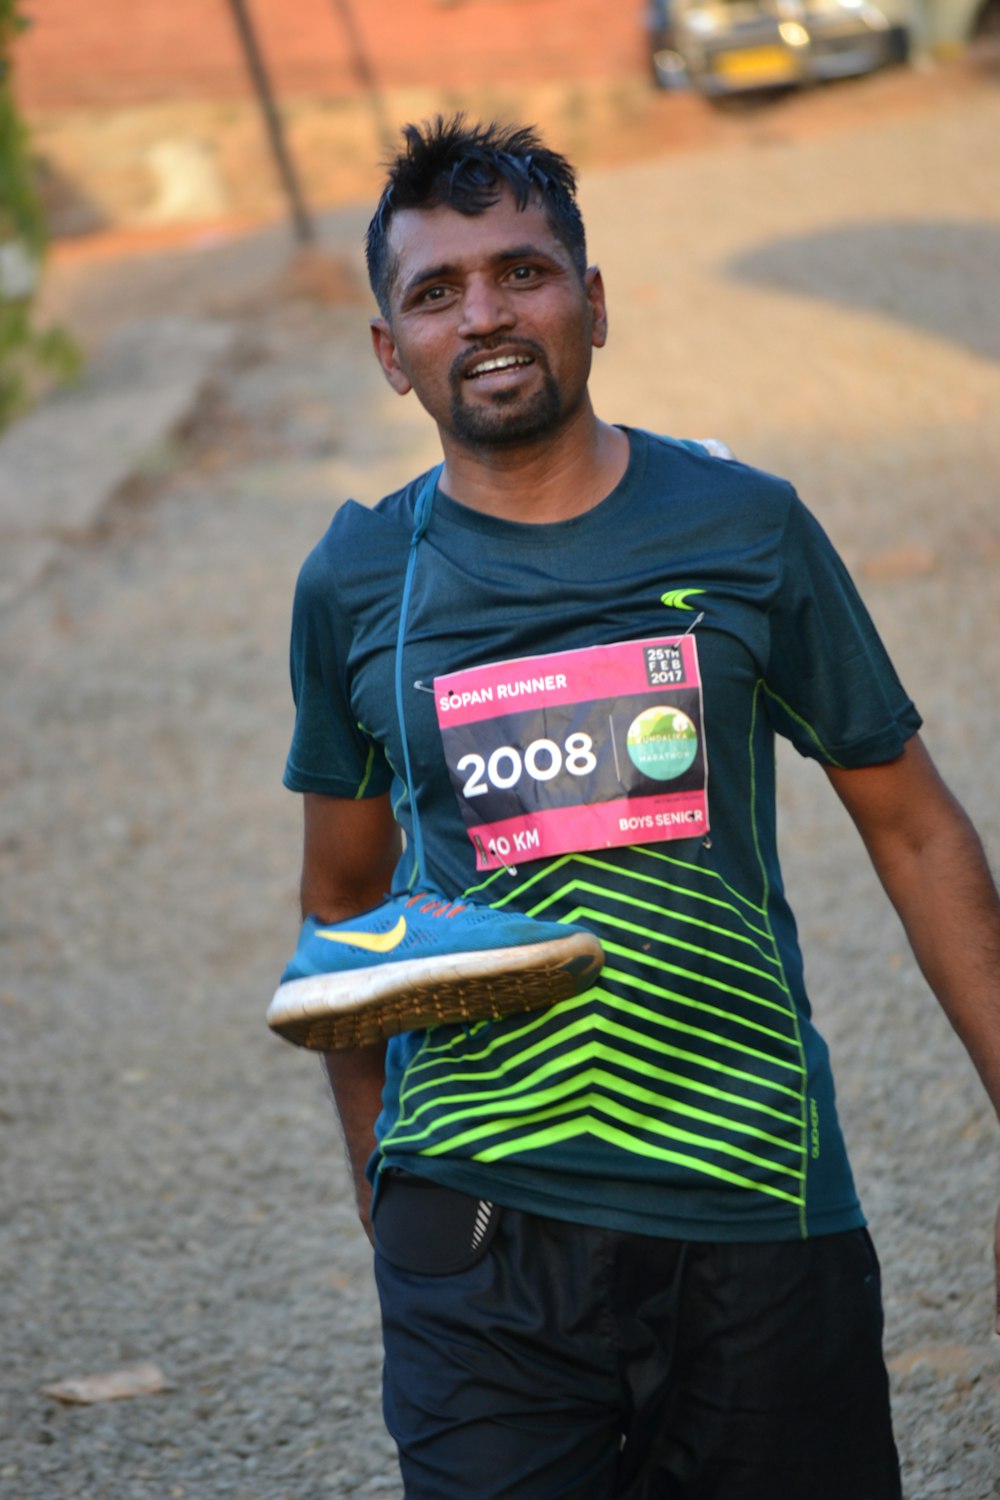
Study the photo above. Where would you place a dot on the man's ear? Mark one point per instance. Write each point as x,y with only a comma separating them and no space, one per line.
593,283
384,346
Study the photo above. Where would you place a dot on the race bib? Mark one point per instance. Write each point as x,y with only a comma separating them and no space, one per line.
578,750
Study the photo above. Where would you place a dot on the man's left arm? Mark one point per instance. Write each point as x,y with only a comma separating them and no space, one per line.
931,862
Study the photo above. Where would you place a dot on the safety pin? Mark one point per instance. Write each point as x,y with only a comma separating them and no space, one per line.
477,840
696,621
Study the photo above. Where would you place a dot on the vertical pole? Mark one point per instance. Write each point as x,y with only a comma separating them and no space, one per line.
305,231
364,71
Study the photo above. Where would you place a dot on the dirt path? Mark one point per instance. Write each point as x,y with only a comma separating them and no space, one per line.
827,304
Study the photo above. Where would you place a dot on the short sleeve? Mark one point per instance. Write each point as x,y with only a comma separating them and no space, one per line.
831,687
330,752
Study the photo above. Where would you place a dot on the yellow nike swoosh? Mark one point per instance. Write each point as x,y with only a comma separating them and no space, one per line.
371,942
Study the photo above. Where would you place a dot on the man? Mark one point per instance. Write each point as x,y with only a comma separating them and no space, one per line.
618,1246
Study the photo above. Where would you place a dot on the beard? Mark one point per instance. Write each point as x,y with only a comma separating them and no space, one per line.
511,418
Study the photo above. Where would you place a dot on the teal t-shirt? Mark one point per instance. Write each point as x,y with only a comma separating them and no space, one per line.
687,1094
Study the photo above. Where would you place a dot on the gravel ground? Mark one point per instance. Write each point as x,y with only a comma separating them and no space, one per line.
829,306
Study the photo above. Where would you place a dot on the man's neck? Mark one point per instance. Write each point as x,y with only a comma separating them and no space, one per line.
552,480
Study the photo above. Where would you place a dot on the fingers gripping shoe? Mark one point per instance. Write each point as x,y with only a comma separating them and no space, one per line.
419,961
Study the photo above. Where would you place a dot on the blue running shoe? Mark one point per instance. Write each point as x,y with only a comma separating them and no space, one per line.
419,961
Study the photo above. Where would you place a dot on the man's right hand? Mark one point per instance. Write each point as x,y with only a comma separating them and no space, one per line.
356,1080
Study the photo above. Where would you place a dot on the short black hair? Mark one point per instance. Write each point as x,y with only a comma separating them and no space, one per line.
467,167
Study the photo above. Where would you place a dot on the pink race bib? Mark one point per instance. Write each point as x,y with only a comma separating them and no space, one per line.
578,750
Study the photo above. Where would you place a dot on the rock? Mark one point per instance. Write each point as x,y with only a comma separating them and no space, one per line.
117,1385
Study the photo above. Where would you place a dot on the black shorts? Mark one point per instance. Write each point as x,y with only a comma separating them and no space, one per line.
531,1359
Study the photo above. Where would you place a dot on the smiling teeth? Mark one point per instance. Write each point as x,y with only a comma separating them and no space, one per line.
505,362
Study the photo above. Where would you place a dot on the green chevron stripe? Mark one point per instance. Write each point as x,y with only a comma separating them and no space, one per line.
549,868
716,987
715,1038
696,976
506,1040
738,905
581,889
548,1044
633,1145
584,1103
595,1060
635,877
494,1119
691,1002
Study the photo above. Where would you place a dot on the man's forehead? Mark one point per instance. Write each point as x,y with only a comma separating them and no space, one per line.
445,233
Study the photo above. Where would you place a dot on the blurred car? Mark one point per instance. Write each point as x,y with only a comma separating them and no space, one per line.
730,47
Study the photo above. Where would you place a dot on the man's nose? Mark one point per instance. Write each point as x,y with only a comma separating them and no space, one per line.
486,308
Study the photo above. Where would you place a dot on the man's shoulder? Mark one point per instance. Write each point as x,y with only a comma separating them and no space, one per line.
359,543
360,534
700,466
394,512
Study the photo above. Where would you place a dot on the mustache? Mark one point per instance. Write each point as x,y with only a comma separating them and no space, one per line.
485,347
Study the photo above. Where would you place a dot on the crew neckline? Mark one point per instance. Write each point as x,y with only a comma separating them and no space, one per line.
455,514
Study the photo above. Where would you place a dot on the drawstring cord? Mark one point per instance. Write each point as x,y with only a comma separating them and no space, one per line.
421,521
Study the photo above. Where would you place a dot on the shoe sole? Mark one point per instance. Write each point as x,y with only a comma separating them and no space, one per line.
334,1012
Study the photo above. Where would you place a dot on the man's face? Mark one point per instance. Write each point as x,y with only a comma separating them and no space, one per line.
490,323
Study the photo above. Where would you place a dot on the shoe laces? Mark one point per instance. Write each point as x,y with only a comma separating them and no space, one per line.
430,905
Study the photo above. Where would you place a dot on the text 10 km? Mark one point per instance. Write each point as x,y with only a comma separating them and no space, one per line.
542,760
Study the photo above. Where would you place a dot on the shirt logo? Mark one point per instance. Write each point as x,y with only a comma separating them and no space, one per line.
371,942
677,598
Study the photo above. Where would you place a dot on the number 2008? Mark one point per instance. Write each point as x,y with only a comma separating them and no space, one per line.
542,760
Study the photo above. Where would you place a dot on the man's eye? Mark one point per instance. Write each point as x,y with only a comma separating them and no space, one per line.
523,273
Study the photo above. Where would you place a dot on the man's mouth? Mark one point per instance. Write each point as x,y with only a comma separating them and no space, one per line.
495,362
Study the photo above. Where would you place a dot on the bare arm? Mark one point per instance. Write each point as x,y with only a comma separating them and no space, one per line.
932,865
349,851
